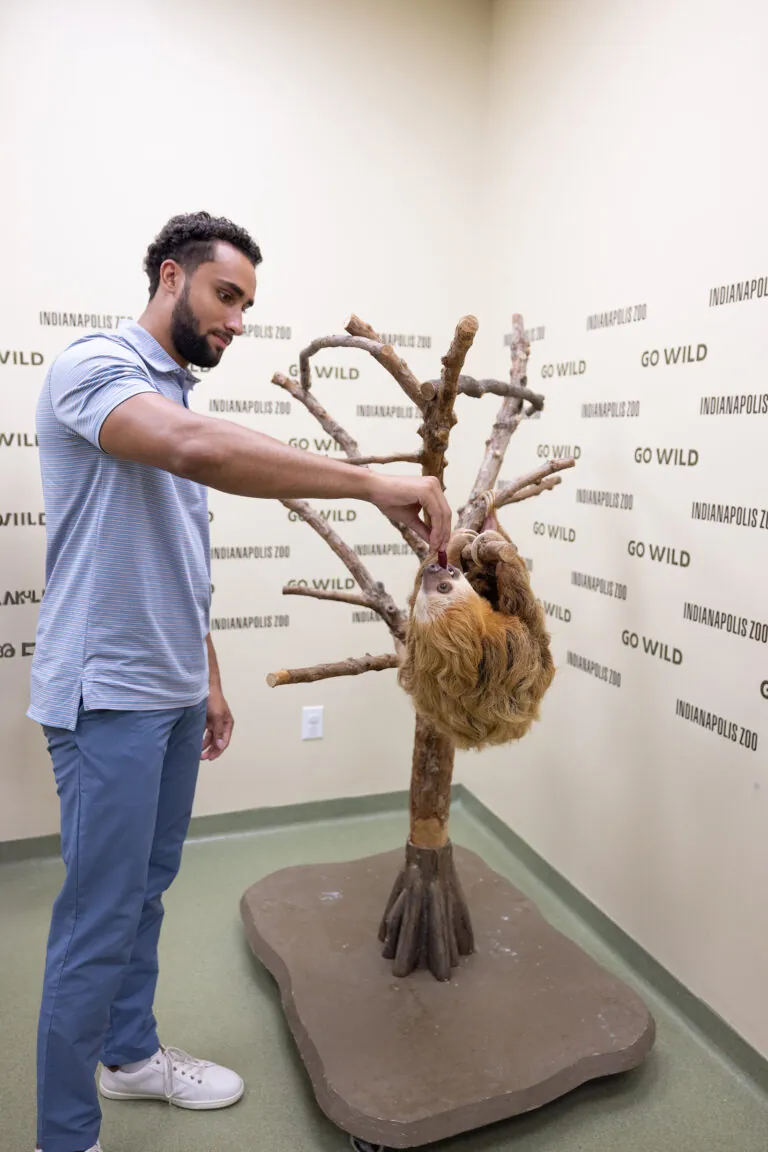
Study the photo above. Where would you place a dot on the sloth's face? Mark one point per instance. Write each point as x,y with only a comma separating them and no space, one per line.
443,581
440,588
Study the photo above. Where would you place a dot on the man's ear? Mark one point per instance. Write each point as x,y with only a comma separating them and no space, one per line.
172,276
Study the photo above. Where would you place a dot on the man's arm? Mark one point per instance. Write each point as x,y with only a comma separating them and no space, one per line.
221,454
214,676
219,721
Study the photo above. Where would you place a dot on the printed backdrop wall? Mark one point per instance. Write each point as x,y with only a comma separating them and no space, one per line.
325,130
628,182
597,167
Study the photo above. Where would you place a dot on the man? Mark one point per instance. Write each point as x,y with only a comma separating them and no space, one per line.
124,679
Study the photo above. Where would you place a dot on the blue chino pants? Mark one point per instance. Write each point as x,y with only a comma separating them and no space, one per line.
126,782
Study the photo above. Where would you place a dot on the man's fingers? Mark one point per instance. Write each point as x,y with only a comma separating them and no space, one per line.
223,731
440,517
404,501
419,526
209,752
217,736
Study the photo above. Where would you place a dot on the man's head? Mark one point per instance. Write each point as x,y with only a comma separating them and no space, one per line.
202,279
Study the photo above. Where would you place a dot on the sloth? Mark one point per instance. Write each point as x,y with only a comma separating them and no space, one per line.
476,660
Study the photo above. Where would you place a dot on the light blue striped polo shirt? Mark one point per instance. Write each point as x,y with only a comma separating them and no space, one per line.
127,573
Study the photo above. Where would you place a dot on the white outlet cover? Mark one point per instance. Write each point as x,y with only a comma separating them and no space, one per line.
312,722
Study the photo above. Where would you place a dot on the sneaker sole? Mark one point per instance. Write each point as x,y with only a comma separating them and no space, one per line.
193,1105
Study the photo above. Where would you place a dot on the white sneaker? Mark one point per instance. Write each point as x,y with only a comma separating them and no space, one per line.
175,1076
95,1148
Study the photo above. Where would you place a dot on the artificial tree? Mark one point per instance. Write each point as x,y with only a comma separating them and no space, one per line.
426,921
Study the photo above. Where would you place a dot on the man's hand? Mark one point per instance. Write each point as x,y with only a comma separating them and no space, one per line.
402,498
219,724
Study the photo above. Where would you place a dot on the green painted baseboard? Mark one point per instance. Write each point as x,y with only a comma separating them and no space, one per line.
715,1031
229,823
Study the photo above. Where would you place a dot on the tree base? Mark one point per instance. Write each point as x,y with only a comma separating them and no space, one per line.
426,921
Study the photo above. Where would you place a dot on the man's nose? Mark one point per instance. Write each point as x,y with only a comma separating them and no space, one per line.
235,324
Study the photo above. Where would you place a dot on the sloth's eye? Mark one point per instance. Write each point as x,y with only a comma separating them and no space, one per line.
444,586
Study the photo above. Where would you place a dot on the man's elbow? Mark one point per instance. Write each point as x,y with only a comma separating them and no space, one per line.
198,457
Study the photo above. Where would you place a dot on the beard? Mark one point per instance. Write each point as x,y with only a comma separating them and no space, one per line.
187,338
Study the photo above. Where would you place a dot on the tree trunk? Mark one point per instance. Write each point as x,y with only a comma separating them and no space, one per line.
426,922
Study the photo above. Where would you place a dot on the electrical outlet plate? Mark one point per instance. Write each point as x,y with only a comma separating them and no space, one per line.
312,723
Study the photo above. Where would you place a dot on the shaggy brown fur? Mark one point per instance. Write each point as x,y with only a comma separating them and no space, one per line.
477,663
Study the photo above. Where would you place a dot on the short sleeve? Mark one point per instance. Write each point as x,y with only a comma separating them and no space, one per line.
85,386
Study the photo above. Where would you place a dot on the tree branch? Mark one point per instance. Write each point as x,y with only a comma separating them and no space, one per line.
350,447
384,353
440,417
357,327
508,418
534,490
375,590
413,458
536,481
322,594
353,666
329,425
331,342
468,386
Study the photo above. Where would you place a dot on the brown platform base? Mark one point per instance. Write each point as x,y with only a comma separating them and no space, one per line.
404,1062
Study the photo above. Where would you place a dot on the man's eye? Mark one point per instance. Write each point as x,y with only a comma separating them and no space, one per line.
225,296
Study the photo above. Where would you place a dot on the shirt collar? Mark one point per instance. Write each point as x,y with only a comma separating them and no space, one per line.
154,353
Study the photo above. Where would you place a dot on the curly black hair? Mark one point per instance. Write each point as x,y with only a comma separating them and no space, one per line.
189,239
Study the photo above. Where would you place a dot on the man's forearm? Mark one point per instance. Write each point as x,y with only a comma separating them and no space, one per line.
234,459
214,676
149,429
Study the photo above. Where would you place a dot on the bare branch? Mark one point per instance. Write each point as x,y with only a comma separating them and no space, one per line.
322,594
412,539
375,590
384,353
329,425
440,416
342,597
357,327
468,386
509,416
353,666
350,446
510,493
342,550
332,342
533,490
414,458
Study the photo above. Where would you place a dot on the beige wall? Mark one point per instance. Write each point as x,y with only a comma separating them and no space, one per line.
348,138
413,162
627,167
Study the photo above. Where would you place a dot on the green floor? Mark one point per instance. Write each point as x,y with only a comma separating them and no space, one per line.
216,1001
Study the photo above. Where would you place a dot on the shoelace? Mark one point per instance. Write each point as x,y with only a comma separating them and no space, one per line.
176,1060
